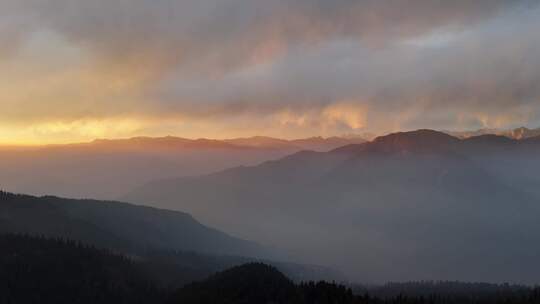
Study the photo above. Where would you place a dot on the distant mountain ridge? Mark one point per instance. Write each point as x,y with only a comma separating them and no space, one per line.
424,191
107,169
320,144
518,133
316,143
420,140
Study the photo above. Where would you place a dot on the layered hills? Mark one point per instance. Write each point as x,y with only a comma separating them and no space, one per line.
424,200
107,169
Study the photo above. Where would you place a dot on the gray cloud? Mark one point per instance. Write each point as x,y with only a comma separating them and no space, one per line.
226,32
409,64
488,74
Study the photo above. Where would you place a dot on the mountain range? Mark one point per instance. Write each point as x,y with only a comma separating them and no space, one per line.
107,169
439,199
406,206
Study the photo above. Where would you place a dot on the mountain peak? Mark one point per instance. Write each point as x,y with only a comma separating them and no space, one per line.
423,140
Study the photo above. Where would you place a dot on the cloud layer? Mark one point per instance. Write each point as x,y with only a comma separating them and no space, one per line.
222,68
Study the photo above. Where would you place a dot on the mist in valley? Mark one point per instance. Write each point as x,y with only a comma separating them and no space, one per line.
410,206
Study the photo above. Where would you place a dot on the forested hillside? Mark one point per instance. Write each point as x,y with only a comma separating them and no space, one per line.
116,225
175,247
56,271
262,284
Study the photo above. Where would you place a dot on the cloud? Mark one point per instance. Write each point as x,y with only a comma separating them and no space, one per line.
228,33
313,66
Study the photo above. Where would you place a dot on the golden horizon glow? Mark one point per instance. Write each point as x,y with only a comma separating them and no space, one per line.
87,130
286,124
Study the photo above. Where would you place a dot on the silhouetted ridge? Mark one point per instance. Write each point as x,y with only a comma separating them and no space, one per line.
402,142
426,141
414,141
121,226
249,283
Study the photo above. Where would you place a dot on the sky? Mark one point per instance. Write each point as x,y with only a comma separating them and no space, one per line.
75,70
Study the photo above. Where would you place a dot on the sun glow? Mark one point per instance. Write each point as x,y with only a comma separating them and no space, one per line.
68,131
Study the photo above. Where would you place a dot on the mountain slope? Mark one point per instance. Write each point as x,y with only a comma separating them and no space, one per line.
422,200
115,225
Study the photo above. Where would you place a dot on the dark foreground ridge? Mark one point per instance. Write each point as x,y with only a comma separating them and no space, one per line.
120,226
41,270
175,247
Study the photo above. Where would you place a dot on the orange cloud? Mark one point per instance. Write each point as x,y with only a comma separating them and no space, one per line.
351,113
